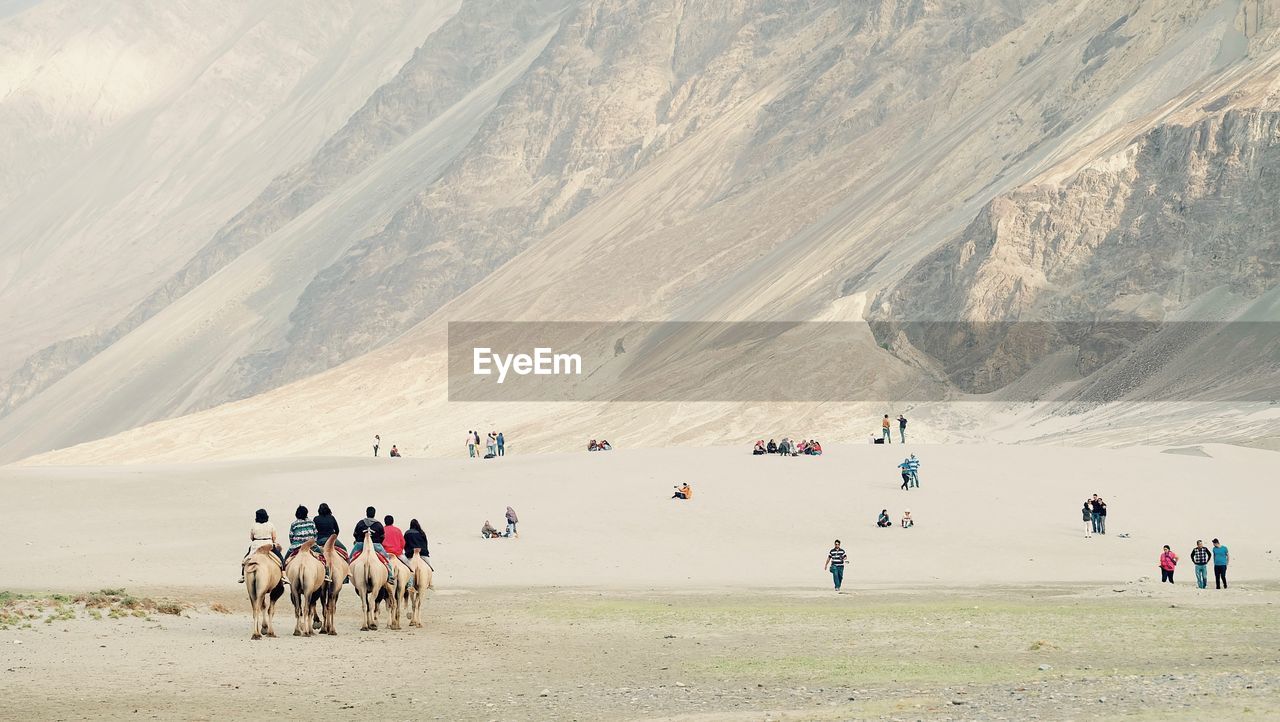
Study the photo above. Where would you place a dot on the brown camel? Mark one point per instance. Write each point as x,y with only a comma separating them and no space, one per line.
338,570
397,592
263,578
419,583
369,579
306,583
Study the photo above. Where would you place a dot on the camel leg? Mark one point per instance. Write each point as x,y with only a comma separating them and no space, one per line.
254,606
393,608
330,612
298,609
271,613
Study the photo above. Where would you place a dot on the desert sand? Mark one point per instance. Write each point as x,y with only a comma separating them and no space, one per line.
986,514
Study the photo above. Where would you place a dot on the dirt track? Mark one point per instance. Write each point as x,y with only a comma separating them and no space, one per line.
1148,651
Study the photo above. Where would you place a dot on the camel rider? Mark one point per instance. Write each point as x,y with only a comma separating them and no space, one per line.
327,526
262,533
370,523
301,531
393,539
416,540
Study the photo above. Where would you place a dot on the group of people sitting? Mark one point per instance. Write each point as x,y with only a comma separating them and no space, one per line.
602,445
883,521
787,447
388,539
489,531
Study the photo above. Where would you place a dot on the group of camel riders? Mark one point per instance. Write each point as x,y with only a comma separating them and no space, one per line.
388,539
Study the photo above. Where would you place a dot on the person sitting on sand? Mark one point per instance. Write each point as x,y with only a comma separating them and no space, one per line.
605,445
395,452
301,531
884,520
772,448
815,449
802,447
907,521
489,531
759,448
593,446
262,533
683,492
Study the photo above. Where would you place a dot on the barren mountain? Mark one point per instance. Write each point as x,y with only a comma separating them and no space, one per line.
970,160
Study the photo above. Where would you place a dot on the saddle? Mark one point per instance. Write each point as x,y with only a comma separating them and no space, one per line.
381,557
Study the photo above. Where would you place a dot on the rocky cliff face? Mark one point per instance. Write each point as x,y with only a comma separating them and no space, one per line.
1098,262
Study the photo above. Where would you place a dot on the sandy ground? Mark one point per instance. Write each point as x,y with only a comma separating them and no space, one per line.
619,603
985,515
1068,652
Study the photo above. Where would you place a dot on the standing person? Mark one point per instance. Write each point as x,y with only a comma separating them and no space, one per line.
906,474
491,446
1219,565
902,428
1087,511
512,520
1095,512
502,445
1102,516
1168,562
377,441
471,444
913,466
835,562
393,539
885,432
1200,557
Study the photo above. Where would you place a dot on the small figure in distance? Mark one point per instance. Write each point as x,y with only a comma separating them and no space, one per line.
759,448
377,441
683,492
593,446
885,432
395,453
488,531
605,445
884,520
907,521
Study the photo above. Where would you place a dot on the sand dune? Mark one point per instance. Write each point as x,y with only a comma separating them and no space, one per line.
988,514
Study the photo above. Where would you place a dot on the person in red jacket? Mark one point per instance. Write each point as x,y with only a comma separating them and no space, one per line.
1168,562
393,539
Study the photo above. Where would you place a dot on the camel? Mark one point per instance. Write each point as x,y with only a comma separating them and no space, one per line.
397,594
263,579
419,583
369,578
338,571
306,584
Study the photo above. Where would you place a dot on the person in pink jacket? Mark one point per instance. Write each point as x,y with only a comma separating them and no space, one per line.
1168,562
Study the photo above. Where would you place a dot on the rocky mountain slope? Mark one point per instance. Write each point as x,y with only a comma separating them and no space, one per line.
683,160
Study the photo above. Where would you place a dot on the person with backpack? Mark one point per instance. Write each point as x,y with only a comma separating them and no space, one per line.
1168,562
1200,557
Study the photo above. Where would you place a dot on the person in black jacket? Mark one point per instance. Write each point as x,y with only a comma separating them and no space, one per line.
416,539
371,523
326,526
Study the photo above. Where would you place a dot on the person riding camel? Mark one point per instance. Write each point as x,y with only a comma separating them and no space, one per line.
301,531
262,533
375,529
415,540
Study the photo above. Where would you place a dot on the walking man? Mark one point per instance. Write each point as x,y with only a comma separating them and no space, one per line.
902,428
377,441
1200,557
885,432
1219,565
502,445
835,562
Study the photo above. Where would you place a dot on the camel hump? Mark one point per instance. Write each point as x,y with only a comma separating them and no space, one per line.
307,545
